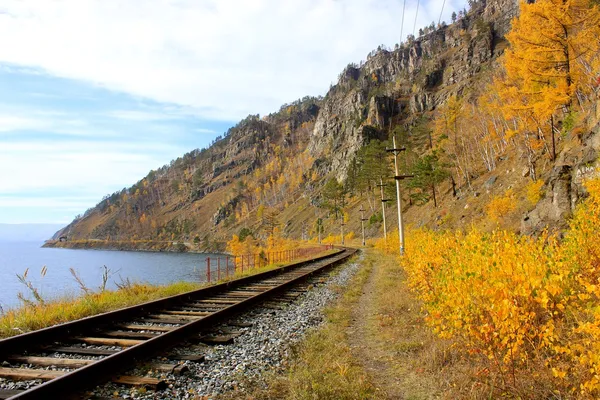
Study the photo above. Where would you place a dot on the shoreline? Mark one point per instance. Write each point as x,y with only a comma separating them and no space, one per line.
140,246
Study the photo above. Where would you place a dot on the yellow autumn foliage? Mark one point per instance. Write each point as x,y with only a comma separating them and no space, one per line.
274,243
525,307
500,206
533,191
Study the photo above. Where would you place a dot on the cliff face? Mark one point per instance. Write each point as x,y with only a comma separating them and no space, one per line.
216,191
412,79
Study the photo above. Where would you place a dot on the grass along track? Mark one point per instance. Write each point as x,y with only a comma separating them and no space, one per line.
141,331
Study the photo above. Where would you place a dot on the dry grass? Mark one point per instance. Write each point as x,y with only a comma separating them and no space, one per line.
42,314
323,366
422,365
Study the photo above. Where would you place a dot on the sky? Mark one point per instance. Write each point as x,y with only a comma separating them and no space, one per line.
96,93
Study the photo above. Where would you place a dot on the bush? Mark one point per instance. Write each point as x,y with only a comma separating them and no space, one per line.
376,218
526,308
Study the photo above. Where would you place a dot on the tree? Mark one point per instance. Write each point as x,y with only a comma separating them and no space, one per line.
244,233
552,60
453,16
197,179
271,220
451,130
369,166
333,195
427,172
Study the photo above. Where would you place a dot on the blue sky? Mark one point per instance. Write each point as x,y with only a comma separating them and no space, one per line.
66,143
95,93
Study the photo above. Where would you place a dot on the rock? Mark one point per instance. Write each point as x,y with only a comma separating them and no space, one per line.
525,172
490,182
556,207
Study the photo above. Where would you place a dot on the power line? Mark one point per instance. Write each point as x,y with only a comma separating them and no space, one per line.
416,14
440,19
402,23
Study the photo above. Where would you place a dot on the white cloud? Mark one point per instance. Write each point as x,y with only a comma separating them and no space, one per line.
89,169
132,115
16,121
63,203
9,123
223,58
204,130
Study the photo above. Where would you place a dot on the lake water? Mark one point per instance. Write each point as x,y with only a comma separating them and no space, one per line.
154,268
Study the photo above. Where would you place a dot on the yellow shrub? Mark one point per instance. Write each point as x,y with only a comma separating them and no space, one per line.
391,245
528,307
500,206
533,191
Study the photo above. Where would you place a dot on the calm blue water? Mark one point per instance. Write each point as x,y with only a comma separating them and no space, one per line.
154,268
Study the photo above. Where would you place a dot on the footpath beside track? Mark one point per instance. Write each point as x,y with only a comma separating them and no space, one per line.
75,356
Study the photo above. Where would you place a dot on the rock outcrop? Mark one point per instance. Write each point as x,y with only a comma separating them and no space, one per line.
413,78
565,186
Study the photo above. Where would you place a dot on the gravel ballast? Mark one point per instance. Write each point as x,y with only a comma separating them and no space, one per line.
265,346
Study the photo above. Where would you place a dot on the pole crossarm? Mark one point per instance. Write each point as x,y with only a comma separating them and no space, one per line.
396,151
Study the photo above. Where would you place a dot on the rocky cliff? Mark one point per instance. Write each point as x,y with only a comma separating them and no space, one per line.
281,160
413,78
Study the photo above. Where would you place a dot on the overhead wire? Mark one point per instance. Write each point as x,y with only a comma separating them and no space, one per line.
441,12
402,23
416,14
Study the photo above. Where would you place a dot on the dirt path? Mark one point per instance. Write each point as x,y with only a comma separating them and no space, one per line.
360,337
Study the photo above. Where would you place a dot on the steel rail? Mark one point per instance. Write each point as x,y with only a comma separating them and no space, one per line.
111,365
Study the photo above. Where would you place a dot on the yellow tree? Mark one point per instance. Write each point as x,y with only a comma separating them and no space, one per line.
552,58
449,130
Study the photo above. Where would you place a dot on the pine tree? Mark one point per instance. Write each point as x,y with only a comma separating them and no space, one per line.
427,172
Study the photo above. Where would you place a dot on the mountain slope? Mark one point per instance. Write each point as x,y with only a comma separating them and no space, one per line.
271,171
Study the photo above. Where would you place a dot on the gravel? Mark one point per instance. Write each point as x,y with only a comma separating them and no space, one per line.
265,346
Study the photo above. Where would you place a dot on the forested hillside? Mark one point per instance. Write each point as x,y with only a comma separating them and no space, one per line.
499,126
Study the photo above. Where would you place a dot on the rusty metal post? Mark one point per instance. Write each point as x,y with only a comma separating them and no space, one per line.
218,268
208,269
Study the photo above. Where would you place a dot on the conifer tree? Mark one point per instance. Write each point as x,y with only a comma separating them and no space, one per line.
552,60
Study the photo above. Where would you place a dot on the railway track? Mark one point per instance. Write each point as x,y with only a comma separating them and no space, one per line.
65,359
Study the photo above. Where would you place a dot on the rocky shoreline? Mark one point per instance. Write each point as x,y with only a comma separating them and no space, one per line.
123,245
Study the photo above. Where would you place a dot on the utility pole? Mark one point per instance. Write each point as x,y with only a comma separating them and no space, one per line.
342,226
362,223
383,201
319,228
399,177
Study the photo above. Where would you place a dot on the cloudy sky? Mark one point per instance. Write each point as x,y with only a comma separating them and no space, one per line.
94,94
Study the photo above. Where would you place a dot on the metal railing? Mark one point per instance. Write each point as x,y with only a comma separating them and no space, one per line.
224,267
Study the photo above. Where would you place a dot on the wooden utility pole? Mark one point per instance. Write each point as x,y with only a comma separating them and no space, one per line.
342,226
383,201
399,177
319,228
362,223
